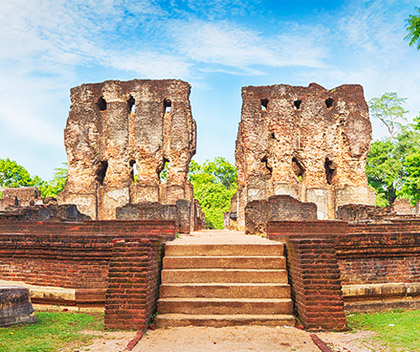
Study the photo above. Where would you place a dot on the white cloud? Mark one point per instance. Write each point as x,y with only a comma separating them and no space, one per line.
230,45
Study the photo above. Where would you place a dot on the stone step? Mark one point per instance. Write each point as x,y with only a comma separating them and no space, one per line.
225,306
227,262
223,275
176,320
231,290
275,249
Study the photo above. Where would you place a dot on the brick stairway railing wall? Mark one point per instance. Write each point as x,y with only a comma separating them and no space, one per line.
315,280
70,255
366,254
134,278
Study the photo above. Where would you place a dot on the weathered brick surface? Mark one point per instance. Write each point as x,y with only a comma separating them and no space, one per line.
116,128
379,258
276,208
134,278
316,287
307,142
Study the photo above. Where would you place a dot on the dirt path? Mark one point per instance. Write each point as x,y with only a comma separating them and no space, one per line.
232,339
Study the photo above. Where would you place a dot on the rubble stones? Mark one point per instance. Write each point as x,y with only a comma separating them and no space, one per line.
50,213
310,143
15,306
276,208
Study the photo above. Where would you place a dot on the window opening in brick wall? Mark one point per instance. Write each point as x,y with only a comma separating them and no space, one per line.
264,104
101,172
164,171
134,171
329,170
329,102
131,104
298,169
101,104
167,106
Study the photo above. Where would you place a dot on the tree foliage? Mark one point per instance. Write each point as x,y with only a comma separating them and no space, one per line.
56,185
389,110
393,166
413,28
214,182
13,175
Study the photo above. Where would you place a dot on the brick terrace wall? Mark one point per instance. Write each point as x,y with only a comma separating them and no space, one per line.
134,278
282,230
114,227
70,255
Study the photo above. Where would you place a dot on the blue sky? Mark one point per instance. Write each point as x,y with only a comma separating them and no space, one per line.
50,46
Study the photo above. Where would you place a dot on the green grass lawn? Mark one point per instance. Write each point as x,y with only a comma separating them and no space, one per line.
52,331
398,330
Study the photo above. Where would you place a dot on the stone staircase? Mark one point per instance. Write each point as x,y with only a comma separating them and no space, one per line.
224,285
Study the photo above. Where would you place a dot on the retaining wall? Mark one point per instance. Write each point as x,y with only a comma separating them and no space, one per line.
98,259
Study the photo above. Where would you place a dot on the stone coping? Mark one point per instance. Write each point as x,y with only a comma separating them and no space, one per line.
44,293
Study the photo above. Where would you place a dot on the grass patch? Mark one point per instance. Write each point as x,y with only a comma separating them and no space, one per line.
398,330
52,331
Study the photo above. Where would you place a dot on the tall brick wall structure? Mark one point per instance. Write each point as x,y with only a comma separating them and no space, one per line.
310,143
116,129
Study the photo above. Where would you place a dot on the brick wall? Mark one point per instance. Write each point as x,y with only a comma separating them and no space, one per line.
370,258
134,278
378,258
70,255
315,279
114,227
281,230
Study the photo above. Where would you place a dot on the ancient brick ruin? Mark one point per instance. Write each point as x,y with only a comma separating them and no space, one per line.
310,143
27,204
119,137
20,197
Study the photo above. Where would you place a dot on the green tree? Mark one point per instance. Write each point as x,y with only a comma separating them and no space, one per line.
411,180
382,170
214,182
413,28
389,110
13,175
56,185
389,164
